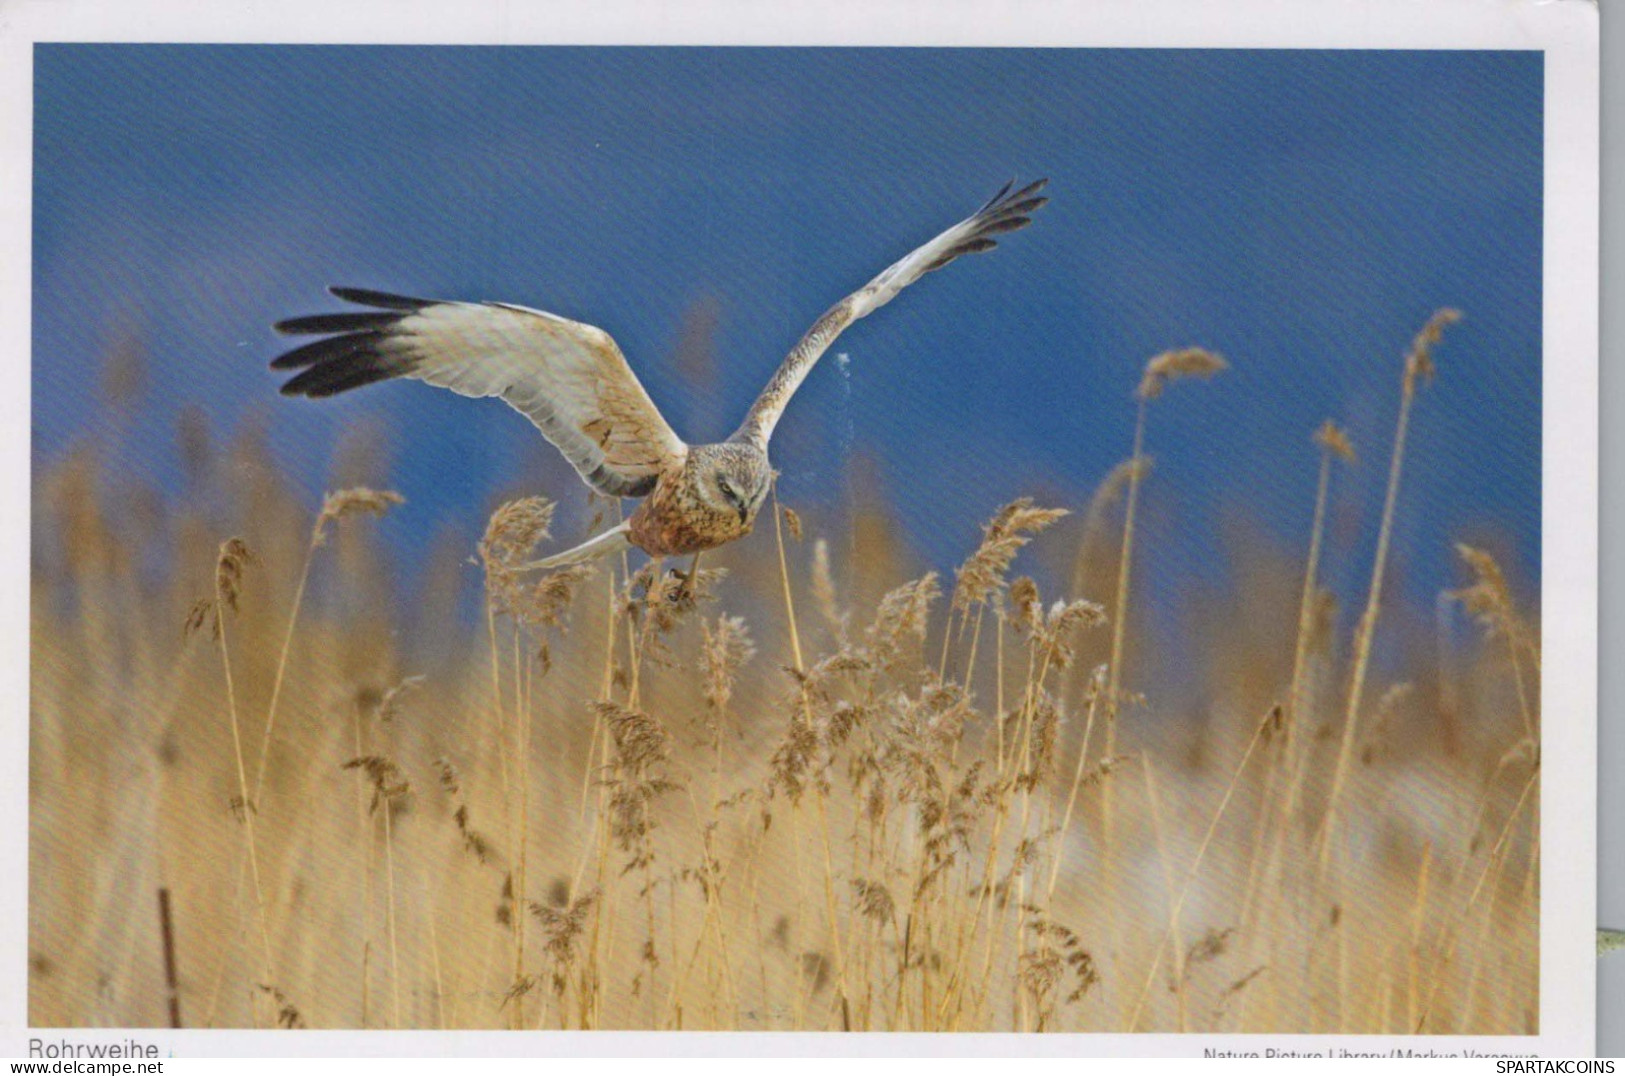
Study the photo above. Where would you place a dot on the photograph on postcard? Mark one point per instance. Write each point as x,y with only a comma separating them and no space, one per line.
767,539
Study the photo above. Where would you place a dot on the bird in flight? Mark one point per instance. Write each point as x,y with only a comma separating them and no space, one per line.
572,381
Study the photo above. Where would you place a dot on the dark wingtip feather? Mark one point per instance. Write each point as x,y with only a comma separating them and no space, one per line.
353,351
1026,192
1026,205
383,299
332,349
1004,224
338,363
974,246
1007,211
331,378
993,201
321,324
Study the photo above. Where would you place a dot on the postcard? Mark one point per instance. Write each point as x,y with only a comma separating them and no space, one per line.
555,523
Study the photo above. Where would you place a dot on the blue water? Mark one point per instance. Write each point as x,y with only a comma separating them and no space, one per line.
1301,213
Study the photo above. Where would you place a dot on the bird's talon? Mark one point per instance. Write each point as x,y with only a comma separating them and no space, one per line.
684,590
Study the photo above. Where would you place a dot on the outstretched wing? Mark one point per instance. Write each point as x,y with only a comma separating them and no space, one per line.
570,379
1004,212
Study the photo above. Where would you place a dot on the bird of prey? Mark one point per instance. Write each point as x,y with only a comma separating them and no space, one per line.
572,381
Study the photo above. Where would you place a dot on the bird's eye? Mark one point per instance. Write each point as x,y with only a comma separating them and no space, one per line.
727,490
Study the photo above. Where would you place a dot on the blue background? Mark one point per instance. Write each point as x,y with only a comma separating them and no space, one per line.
1300,212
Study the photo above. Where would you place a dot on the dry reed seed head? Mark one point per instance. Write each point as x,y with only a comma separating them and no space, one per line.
228,574
1002,538
1488,600
1126,471
917,745
287,1015
1046,724
902,616
519,988
1213,944
1271,723
874,900
818,680
1026,607
563,924
202,612
358,500
1106,767
1396,694
1335,439
1434,330
1040,971
815,969
1170,366
448,777
1274,721
545,599
819,722
640,740
389,705
1085,974
513,530
792,523
1055,932
943,709
1110,490
1485,568
1419,360
1096,685
1381,722
1023,859
1054,634
793,761
1059,951
389,785
474,841
1229,993
641,583
632,818
725,650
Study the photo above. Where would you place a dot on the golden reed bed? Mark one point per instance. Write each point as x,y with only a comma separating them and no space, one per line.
818,790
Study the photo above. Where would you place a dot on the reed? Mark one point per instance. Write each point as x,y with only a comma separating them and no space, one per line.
801,788
1418,371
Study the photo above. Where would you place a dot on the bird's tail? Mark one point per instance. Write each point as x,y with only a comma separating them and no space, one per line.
613,540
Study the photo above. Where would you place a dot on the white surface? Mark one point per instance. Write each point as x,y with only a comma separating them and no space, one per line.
1565,29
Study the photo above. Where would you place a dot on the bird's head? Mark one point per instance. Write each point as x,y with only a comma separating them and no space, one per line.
732,478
